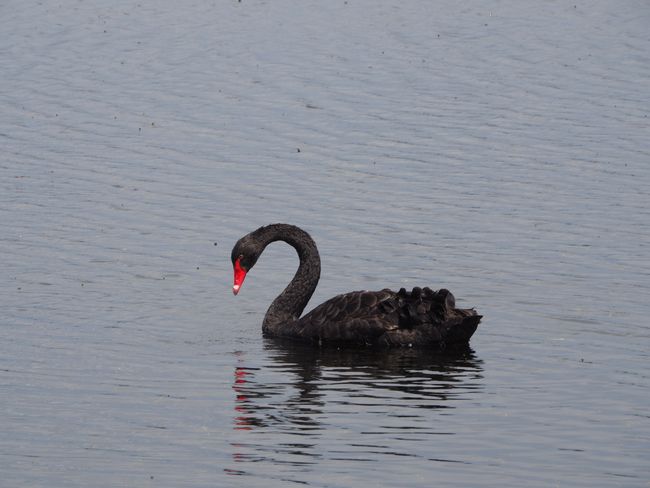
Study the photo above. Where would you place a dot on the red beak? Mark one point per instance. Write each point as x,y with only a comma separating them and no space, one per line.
240,274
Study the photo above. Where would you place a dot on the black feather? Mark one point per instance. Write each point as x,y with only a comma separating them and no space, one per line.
421,317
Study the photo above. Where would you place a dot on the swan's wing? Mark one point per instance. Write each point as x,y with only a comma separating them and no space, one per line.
349,306
364,317
358,316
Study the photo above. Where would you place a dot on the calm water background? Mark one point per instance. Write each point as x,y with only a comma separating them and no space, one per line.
499,149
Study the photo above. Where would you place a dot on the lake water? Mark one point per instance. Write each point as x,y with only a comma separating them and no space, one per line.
499,149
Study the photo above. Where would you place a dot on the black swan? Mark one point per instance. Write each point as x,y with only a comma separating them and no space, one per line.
421,317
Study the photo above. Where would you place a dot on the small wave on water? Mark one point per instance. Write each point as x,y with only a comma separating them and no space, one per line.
386,401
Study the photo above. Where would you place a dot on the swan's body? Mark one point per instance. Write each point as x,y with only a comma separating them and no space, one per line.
421,317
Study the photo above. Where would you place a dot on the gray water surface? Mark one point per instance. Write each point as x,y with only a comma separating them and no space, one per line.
498,149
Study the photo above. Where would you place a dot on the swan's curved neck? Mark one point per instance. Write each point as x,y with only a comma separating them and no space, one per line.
288,306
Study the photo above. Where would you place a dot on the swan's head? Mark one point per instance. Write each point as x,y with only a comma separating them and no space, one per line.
244,256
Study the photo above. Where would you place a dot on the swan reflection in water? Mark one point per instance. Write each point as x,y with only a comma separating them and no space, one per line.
300,396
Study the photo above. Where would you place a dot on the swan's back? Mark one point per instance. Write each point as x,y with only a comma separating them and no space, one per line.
389,318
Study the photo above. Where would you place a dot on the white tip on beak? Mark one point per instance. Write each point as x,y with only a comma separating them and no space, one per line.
235,289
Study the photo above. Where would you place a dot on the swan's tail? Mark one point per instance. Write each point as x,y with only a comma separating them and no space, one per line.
437,312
